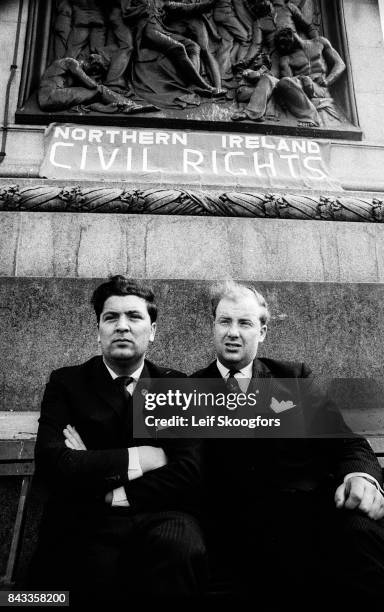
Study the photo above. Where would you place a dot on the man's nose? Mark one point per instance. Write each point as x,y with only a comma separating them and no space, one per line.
122,323
233,330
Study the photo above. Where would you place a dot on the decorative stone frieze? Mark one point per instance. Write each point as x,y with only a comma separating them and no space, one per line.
173,201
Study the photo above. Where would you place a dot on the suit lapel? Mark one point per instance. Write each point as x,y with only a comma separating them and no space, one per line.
105,387
260,384
144,384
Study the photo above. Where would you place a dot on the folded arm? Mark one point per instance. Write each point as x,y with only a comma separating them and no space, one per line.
94,470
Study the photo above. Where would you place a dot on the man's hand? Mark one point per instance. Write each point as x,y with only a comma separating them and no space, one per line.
360,494
72,439
151,458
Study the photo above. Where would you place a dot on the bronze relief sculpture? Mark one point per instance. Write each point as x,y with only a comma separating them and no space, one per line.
225,57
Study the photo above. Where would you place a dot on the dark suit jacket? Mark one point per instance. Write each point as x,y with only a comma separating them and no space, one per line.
86,397
238,469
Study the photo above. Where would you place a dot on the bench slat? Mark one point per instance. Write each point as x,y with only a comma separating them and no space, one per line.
18,425
21,468
16,450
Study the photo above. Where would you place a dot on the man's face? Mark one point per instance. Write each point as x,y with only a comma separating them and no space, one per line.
125,330
237,330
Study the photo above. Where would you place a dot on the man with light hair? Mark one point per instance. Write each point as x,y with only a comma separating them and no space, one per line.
301,510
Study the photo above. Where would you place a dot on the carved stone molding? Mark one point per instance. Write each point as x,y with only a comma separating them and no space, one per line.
173,201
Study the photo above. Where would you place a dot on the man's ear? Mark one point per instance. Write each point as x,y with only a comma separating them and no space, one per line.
263,333
153,332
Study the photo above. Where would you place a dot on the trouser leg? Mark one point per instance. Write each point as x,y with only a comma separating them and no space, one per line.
173,554
361,555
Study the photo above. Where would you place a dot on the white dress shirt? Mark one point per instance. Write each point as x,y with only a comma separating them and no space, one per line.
243,376
119,497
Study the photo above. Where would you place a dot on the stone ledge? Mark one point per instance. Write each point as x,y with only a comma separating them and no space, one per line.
179,201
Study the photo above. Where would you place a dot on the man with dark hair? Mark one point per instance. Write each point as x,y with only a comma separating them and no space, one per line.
117,522
306,507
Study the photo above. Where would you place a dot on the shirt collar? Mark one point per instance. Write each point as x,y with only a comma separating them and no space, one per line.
135,375
245,372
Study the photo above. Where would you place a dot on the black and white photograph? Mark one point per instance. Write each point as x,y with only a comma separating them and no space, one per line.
191,304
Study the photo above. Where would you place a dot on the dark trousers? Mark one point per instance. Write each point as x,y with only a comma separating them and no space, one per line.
296,548
126,555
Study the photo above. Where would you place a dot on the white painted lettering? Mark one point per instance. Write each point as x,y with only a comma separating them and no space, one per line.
52,154
180,138
105,165
283,145
94,134
290,159
252,142
187,162
313,147
319,175
265,145
227,165
235,141
299,146
129,159
79,134
83,160
146,168
145,137
112,134
61,132
268,165
162,138
129,136
214,162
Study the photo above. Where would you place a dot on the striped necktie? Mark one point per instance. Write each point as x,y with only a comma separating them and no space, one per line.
232,383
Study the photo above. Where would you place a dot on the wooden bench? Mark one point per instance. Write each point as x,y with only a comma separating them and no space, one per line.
17,441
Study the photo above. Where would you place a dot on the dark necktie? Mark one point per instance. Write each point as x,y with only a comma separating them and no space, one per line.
232,383
122,382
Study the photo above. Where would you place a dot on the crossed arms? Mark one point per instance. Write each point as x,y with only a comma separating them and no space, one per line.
96,472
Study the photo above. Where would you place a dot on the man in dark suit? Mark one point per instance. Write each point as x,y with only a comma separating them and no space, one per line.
293,511
117,520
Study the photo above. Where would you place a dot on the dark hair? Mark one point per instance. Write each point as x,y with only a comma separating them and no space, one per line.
232,290
120,285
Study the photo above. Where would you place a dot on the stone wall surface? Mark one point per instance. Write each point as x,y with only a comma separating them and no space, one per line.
147,246
48,323
366,48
